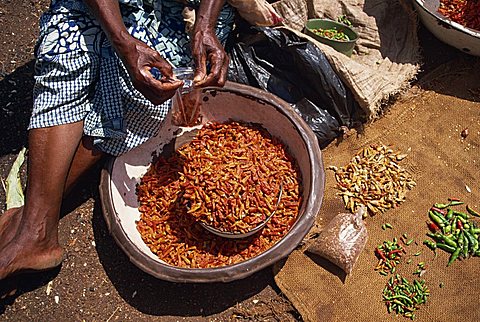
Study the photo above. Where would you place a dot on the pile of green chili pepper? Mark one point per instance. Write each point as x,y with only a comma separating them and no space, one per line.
453,231
403,297
388,254
331,33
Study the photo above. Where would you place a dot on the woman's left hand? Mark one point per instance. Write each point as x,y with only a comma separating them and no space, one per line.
207,49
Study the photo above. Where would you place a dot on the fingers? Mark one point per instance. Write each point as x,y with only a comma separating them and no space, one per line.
139,64
200,60
157,91
207,49
218,71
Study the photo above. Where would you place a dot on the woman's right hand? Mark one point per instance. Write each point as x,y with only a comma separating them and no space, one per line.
139,59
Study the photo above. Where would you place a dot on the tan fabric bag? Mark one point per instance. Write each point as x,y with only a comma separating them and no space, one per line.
386,57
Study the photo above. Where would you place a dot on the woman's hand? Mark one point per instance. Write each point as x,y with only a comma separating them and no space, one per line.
206,48
138,58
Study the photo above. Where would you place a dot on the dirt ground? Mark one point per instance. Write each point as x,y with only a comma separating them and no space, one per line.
97,281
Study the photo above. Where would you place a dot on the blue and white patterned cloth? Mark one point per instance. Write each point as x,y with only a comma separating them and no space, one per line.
78,76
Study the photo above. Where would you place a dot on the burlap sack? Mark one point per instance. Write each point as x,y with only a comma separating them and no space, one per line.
293,12
427,126
256,12
386,56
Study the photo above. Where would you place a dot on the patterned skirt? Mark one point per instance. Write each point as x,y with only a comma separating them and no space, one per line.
79,77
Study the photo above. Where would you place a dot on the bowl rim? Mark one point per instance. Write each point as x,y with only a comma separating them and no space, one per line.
246,268
337,23
472,32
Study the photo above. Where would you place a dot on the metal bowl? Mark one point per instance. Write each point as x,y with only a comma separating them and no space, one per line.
240,103
450,32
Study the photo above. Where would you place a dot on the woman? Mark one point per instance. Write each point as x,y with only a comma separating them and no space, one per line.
95,94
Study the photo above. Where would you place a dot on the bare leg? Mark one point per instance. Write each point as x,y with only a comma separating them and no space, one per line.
29,235
85,157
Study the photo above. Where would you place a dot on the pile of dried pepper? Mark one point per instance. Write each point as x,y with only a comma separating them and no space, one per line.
176,236
453,231
388,254
373,178
233,175
464,12
404,297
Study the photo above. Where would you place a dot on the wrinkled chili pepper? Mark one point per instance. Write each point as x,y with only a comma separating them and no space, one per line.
464,12
176,237
389,254
247,166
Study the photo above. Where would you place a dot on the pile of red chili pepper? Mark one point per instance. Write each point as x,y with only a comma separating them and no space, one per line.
453,231
176,236
403,297
233,175
464,12
388,254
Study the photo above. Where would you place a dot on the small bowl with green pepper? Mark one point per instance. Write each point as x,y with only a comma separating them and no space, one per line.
335,34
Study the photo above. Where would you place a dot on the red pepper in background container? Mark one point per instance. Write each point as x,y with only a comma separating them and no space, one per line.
464,12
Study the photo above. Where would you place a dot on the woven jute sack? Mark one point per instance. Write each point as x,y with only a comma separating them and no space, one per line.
387,55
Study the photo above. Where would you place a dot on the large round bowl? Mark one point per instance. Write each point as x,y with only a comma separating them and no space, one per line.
450,32
240,103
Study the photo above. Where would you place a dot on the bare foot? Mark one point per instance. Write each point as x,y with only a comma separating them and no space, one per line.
11,217
22,251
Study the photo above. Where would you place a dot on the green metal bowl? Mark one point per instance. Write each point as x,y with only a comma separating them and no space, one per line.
345,47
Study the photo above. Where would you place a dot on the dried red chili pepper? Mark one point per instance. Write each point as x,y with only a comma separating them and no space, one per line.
176,237
464,12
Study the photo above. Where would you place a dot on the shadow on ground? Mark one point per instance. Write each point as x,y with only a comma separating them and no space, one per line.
15,108
442,62
24,283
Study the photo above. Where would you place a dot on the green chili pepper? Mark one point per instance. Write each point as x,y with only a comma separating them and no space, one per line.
436,219
443,238
446,247
469,236
460,239
447,229
449,214
454,256
455,203
472,212
430,244
453,225
403,297
466,245
460,214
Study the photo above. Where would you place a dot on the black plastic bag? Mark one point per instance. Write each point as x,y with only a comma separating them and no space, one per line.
294,69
